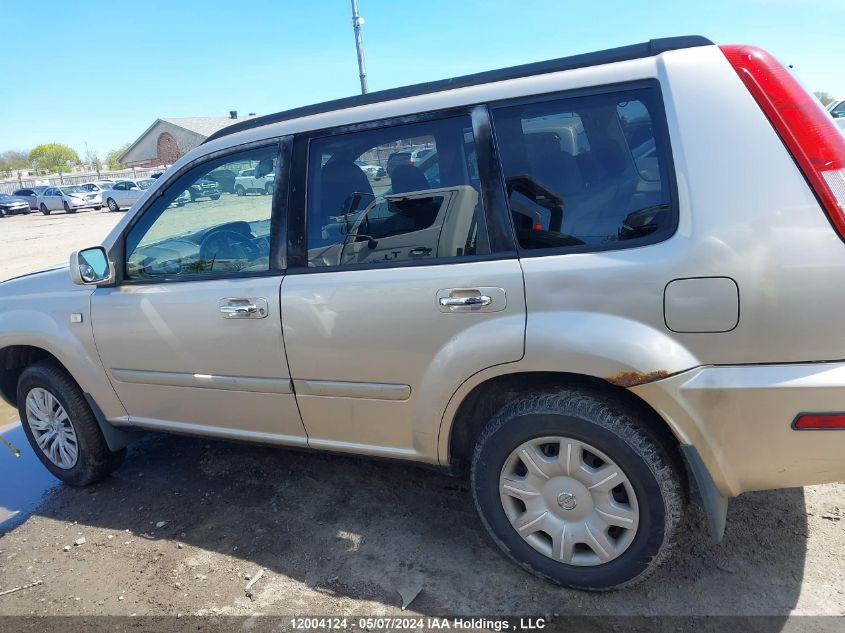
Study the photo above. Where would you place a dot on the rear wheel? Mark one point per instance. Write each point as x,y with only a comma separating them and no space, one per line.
268,189
2,213
576,490
112,205
240,190
60,426
44,209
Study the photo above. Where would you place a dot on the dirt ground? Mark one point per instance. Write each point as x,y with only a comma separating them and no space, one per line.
187,523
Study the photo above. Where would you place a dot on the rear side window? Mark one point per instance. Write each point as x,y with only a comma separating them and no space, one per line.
587,172
398,193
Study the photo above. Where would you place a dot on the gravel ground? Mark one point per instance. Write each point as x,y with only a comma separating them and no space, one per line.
187,523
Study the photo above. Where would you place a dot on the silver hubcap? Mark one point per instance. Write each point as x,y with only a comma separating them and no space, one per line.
52,428
569,501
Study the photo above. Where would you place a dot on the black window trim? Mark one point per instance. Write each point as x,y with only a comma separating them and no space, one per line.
489,173
660,125
278,217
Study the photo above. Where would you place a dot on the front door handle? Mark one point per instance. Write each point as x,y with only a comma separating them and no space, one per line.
247,308
466,302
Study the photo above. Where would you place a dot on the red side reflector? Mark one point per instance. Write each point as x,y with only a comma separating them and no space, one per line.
817,421
809,133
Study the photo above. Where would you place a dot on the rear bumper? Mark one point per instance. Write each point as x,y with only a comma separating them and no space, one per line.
740,420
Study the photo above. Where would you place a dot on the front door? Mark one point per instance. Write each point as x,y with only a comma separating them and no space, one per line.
399,290
191,338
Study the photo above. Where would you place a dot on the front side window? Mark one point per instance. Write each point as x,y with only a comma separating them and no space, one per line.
196,228
391,194
586,172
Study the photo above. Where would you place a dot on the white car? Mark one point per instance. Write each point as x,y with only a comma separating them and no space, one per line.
71,198
97,186
124,193
247,182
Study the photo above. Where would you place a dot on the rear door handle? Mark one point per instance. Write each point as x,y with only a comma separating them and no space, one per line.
243,308
482,299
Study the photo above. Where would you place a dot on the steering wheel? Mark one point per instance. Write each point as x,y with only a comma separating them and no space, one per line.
226,245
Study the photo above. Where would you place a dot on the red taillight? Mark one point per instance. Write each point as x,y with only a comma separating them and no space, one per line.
819,421
813,139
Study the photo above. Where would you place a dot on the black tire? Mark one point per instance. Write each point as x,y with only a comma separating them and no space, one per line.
44,209
67,208
112,205
98,208
95,461
2,213
215,197
268,189
239,190
653,470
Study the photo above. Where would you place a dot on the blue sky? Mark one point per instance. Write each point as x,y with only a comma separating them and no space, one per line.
101,72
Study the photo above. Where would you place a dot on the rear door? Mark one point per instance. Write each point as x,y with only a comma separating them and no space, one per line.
398,289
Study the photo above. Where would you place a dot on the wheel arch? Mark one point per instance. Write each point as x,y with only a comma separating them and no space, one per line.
486,398
13,360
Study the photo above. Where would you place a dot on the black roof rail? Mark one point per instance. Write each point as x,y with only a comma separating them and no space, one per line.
623,53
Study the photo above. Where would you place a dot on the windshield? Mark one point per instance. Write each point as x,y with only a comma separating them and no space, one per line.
5,196
73,189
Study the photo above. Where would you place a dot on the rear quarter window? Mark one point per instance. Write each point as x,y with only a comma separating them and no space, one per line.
587,172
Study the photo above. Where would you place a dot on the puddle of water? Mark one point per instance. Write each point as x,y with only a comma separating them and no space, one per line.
23,480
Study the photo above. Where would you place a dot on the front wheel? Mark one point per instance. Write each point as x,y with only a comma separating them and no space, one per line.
215,197
60,426
576,490
67,208
239,190
112,205
44,209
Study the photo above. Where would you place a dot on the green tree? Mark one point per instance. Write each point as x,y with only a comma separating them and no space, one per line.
113,157
53,157
824,97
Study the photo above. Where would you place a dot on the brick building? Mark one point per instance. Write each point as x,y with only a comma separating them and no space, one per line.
166,140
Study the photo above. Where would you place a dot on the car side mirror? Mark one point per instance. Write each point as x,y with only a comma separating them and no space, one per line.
90,266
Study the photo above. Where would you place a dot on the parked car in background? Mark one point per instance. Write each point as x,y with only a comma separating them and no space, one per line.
97,186
31,195
13,205
204,188
837,111
124,193
247,182
837,108
225,179
418,156
70,198
374,172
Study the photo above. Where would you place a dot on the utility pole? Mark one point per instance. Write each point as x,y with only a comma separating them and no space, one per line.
357,21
